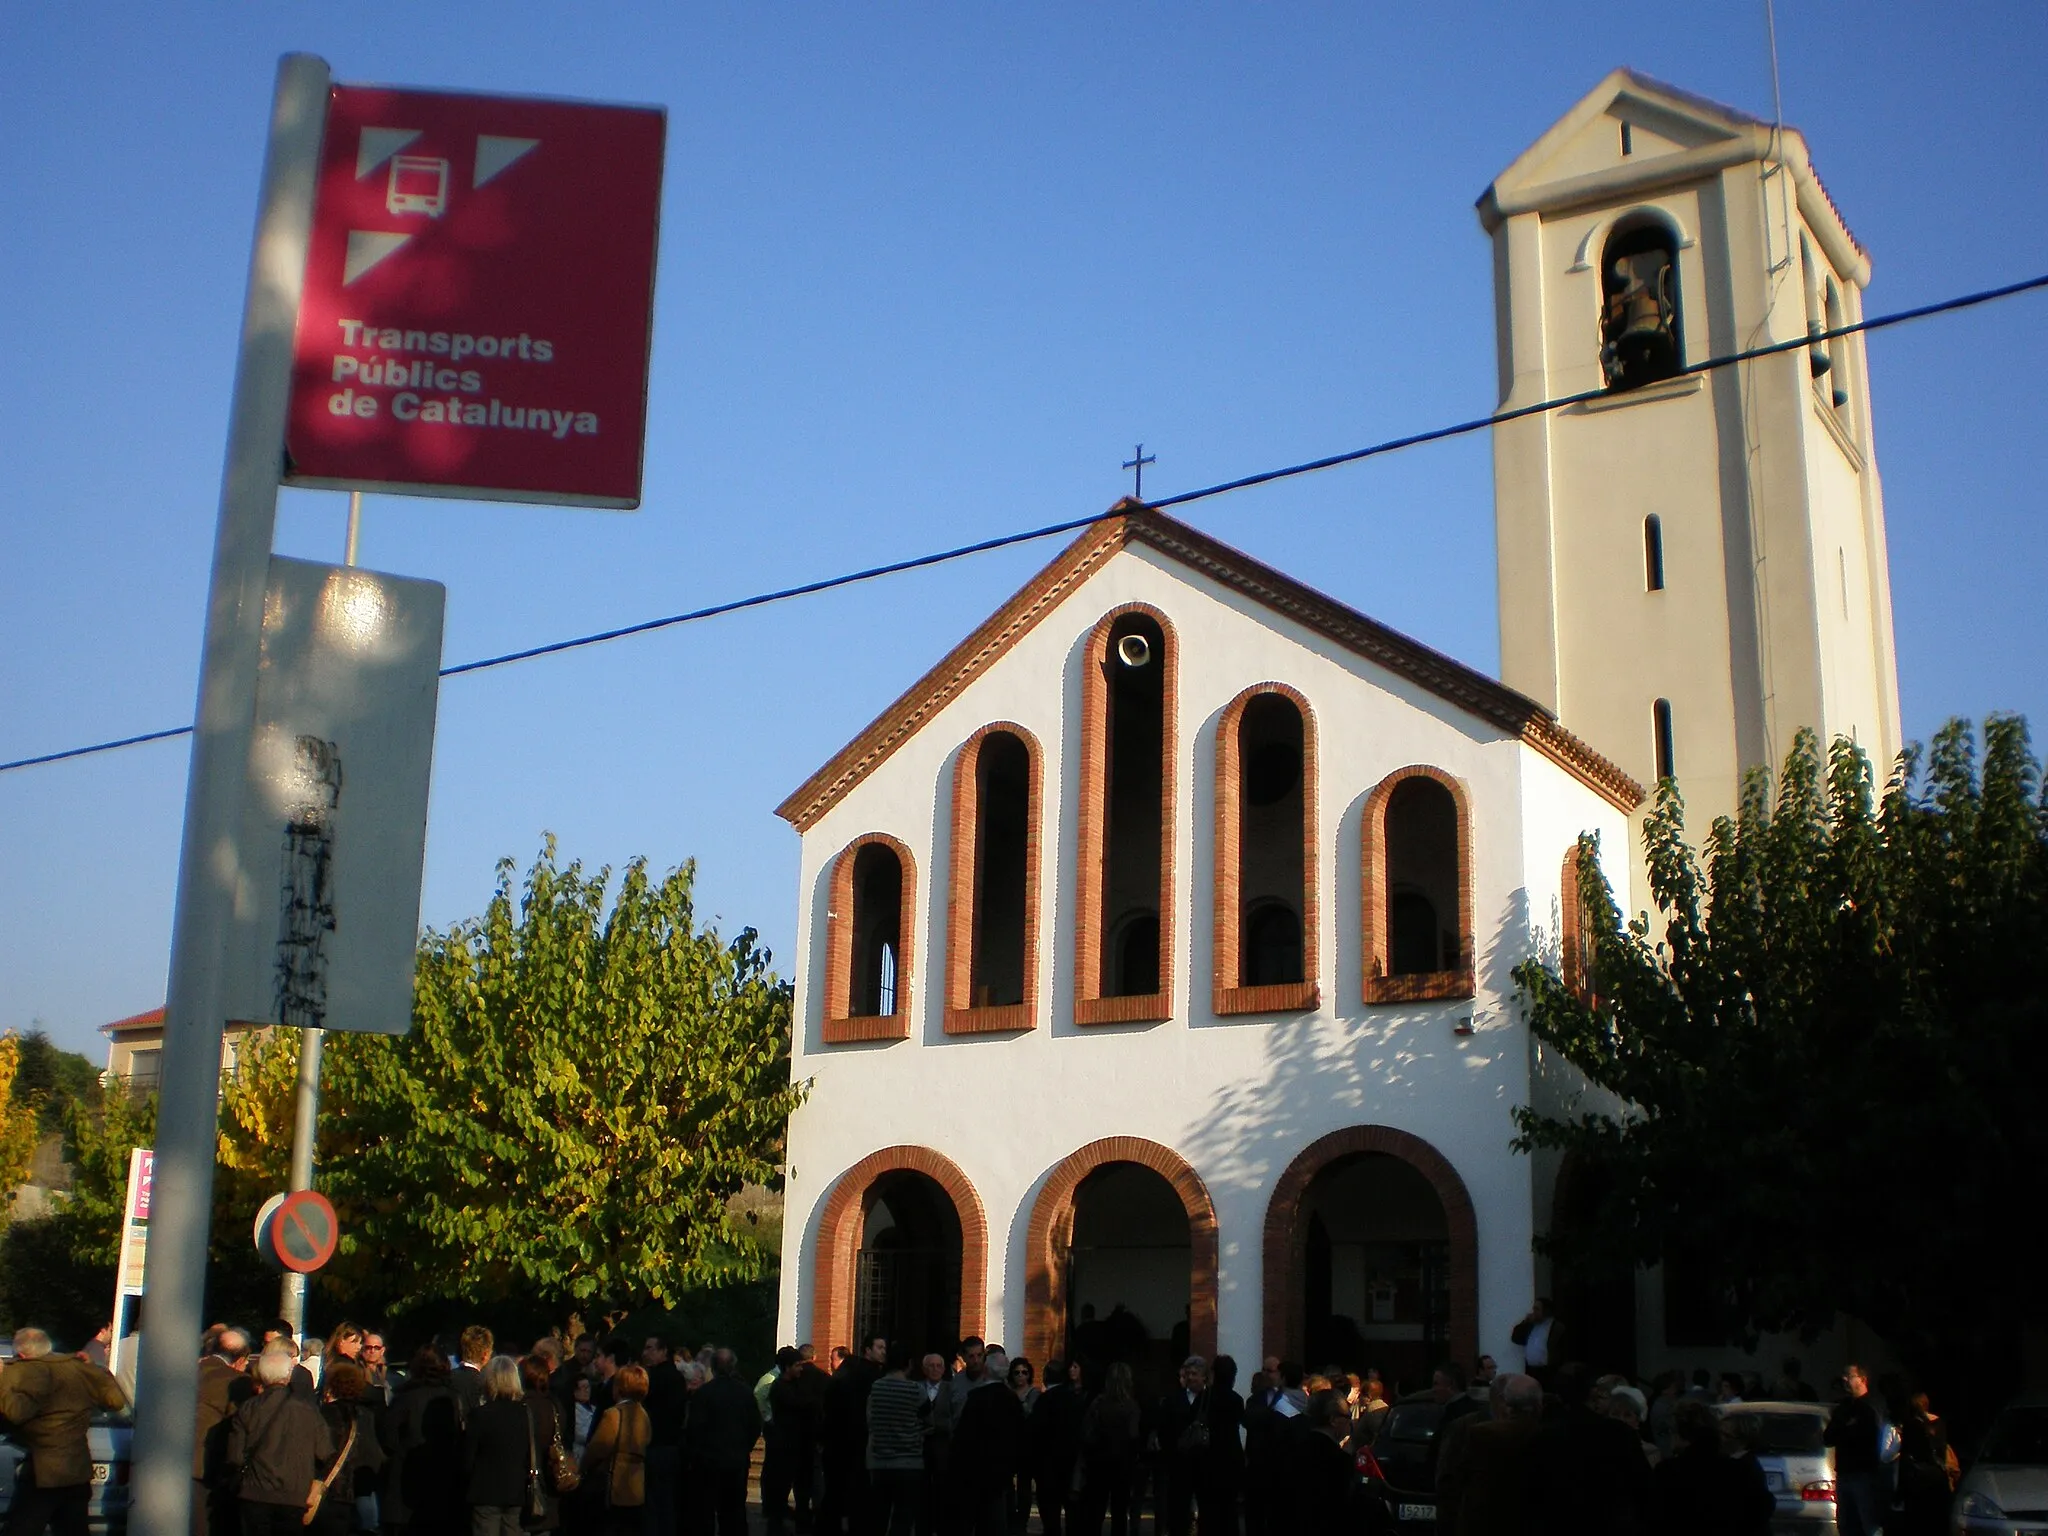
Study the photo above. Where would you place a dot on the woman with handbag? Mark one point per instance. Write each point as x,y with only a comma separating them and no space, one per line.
348,1500
558,1474
500,1456
615,1461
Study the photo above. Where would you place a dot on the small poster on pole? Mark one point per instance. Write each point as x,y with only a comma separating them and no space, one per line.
132,1260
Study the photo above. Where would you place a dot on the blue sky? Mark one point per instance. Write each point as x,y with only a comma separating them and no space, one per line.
927,272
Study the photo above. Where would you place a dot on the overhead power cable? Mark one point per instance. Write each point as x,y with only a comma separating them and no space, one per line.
1029,535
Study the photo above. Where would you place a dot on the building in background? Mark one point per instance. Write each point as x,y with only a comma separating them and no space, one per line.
135,1049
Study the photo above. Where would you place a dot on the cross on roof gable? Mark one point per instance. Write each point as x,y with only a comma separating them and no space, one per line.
1132,522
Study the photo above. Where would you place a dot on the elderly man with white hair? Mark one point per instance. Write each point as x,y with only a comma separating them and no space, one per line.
276,1442
50,1402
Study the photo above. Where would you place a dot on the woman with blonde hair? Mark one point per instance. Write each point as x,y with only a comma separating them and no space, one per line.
615,1461
499,1451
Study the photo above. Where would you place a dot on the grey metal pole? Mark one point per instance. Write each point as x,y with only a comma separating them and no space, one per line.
306,1095
212,899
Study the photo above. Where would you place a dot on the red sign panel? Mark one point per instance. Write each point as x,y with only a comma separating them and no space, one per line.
304,1231
479,292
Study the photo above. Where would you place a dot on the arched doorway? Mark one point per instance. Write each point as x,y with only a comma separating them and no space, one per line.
906,1282
1128,1290
1372,1257
1598,1297
1120,1260
902,1251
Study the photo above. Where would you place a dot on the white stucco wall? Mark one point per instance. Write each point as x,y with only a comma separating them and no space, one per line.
1237,1097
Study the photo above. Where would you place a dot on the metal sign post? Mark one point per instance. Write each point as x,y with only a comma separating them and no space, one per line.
213,899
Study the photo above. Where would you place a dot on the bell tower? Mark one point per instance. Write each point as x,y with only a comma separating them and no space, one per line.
1692,566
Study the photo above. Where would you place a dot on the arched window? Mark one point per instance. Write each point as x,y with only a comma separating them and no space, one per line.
992,919
1575,938
1124,905
868,941
1641,339
1660,730
1653,553
1838,386
1819,353
1264,926
1417,889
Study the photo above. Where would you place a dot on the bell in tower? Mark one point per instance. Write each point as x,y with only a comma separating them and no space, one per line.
1639,318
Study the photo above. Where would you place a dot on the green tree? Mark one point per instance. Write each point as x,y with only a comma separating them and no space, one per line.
50,1079
581,1094
1826,1064
17,1123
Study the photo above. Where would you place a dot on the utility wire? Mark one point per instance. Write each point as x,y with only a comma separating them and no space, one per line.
1003,541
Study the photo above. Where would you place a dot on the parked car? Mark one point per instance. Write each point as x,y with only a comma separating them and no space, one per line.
2006,1488
106,1514
1401,1465
1788,1440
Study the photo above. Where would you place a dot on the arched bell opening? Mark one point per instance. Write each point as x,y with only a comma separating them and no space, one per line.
1641,339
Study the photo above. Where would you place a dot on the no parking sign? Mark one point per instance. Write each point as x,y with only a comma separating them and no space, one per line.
297,1232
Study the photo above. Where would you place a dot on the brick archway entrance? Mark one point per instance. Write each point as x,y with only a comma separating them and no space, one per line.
1051,1229
1287,1236
834,1275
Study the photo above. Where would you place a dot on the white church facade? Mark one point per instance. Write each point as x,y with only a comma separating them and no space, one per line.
1155,949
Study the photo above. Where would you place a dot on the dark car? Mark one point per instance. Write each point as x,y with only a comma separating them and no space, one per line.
1402,1462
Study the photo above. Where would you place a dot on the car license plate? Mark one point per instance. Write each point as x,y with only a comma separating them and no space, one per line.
1416,1512
101,1472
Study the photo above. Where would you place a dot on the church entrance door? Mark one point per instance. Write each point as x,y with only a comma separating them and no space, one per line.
1376,1276
907,1273
1372,1257
1129,1281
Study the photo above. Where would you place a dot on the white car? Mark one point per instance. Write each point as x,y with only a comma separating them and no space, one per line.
1788,1442
2006,1489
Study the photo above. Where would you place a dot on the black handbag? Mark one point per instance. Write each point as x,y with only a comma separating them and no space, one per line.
536,1490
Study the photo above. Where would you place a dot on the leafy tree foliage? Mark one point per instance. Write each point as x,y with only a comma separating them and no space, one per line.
1825,1068
50,1079
582,1093
17,1123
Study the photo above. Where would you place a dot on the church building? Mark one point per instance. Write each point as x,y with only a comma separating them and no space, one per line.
1155,948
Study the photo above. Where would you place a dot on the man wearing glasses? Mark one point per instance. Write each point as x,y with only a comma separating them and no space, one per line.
379,1382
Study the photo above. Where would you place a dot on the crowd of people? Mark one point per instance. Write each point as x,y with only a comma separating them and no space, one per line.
616,1436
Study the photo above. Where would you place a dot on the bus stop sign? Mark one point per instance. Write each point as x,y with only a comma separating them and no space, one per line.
479,291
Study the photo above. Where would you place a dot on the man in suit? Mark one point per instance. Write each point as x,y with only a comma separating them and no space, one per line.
1178,1467
719,1430
467,1379
224,1386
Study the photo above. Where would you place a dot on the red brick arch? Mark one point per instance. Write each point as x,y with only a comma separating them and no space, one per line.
839,1231
1052,1226
1374,906
1287,1235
